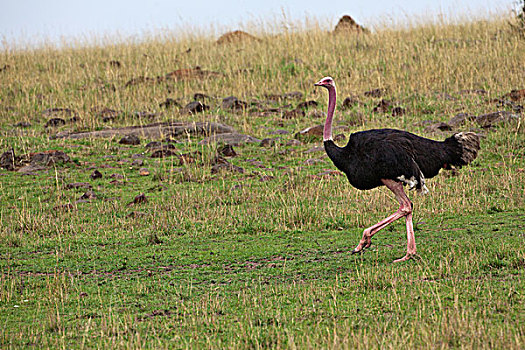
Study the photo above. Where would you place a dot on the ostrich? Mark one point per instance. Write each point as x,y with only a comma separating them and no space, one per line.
393,158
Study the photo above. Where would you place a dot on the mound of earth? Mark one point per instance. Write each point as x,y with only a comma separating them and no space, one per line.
347,25
236,36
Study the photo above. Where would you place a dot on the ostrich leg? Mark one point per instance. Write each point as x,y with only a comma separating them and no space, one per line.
405,209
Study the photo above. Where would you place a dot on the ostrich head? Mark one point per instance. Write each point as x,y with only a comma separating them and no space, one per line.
326,82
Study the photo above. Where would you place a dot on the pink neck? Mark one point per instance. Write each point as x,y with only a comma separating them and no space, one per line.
327,132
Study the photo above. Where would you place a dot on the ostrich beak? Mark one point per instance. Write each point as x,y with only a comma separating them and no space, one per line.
318,83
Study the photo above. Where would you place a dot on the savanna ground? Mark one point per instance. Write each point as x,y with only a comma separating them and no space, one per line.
260,258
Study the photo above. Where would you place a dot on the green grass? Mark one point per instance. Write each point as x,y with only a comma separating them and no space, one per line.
261,259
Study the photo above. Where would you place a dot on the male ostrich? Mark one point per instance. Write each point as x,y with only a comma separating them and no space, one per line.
393,158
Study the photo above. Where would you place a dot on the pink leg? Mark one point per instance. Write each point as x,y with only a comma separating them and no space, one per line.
405,209
411,240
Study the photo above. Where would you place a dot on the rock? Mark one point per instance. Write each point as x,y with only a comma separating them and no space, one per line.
496,118
130,140
294,114
48,158
137,162
139,199
236,37
439,126
155,130
349,102
105,113
233,103
382,107
516,108
315,131
170,102
31,169
8,160
196,107
347,25
374,93
227,151
189,158
162,153
96,175
154,144
515,95
117,176
273,97
38,161
116,182
267,143
226,166
307,104
228,102
75,185
55,122
199,96
460,119
88,195
398,111
233,139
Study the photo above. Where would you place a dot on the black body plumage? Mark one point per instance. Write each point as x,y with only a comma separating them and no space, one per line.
392,154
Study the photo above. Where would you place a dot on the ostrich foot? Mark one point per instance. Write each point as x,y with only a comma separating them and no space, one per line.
407,257
365,243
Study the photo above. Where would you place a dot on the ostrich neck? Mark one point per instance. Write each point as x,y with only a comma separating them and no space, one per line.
327,132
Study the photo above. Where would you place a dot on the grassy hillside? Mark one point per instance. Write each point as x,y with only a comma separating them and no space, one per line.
256,254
